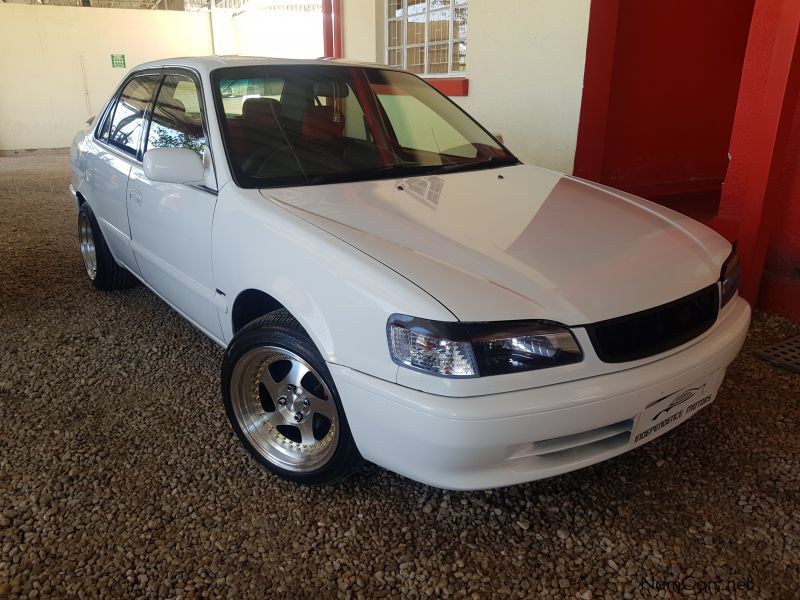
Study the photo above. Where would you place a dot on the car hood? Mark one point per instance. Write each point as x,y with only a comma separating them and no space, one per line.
519,242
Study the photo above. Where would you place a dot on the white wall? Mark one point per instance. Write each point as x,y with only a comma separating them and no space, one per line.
269,32
525,62
361,38
42,98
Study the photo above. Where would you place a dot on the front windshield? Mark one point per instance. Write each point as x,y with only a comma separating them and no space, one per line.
310,124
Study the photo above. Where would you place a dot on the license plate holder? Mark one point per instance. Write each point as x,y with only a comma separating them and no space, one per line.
672,410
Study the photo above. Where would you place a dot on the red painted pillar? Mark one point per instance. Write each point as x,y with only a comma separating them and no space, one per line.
327,28
332,28
338,51
768,98
600,48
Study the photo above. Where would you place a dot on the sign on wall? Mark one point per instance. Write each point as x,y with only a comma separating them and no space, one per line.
117,61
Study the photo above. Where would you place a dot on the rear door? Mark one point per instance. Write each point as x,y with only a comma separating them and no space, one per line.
116,150
171,223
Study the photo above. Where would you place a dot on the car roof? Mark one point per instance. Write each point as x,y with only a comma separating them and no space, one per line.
206,64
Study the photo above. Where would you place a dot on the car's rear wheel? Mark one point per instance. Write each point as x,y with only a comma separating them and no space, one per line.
102,269
283,404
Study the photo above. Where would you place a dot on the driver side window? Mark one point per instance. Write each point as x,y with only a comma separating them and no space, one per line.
177,120
128,121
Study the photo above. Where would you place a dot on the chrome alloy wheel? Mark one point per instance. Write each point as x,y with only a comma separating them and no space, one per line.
284,409
87,245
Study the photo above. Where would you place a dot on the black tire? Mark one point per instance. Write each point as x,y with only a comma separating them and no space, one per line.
279,329
108,275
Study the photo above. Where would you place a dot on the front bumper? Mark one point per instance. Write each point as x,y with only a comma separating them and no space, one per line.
503,439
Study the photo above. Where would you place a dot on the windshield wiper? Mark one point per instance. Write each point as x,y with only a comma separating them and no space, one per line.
409,170
379,173
491,162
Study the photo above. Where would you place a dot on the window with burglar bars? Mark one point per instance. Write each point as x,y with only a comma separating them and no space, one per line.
428,37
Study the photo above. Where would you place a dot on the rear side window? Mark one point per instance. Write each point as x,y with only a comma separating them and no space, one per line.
102,129
177,117
128,120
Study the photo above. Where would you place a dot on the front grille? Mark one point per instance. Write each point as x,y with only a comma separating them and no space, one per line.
655,330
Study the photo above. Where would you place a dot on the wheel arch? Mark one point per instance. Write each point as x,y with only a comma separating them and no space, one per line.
251,304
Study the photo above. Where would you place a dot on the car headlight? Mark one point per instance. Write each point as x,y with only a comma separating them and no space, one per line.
479,349
729,278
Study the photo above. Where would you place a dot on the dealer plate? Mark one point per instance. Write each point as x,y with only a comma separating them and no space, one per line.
672,410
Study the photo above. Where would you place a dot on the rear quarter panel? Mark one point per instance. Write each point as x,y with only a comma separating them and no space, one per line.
77,157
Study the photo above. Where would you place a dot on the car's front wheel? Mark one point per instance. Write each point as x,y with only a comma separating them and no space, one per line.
282,402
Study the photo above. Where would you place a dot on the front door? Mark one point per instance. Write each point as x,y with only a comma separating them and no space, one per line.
171,223
109,164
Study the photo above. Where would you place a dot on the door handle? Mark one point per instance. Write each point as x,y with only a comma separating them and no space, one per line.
135,196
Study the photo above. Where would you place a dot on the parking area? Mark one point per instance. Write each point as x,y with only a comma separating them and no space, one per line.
120,474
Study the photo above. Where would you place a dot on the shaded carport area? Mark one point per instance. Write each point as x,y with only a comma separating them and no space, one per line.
120,475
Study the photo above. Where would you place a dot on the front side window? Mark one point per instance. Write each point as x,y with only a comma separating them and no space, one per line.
427,36
177,116
319,124
128,120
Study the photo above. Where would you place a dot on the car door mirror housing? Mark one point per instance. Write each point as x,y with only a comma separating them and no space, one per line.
173,165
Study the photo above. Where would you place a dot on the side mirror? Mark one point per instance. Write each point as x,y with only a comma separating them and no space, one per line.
173,165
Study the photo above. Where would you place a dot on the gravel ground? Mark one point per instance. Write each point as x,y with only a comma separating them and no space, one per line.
121,477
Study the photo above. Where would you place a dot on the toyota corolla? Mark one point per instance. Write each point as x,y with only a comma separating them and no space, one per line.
390,282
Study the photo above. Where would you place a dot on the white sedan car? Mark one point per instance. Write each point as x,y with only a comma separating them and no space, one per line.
390,282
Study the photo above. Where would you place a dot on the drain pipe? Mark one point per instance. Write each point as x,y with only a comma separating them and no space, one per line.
212,6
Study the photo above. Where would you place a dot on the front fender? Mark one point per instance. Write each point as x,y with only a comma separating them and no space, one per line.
341,296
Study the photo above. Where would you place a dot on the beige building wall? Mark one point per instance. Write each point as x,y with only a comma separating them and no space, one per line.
268,32
55,63
525,62
362,29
